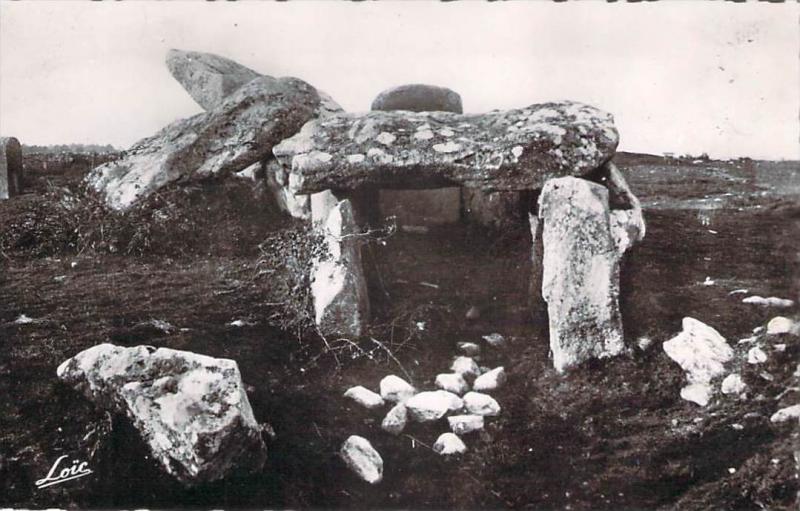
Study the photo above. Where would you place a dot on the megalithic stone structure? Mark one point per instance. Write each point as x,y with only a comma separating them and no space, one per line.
11,170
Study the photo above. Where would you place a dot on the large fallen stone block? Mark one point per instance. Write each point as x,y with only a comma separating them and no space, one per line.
239,132
191,410
580,270
338,284
208,78
509,150
10,167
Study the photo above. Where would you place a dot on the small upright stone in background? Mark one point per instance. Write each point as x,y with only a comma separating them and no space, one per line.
10,167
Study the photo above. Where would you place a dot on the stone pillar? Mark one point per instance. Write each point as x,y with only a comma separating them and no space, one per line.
338,284
10,167
583,242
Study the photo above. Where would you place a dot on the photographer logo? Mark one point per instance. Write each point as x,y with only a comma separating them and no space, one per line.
62,473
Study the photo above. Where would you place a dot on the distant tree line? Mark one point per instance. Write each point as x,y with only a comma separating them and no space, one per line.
68,148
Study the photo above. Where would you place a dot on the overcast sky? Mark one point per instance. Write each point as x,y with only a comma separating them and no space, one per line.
684,77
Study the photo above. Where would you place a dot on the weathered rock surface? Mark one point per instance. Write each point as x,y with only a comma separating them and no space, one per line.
208,78
477,403
782,325
10,167
700,351
338,285
580,272
698,393
452,382
418,97
449,443
363,459
491,380
396,420
510,150
396,389
733,384
786,414
364,397
463,424
432,405
465,366
756,355
771,301
497,210
191,410
236,134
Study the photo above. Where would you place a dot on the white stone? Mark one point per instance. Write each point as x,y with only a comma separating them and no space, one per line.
452,382
396,389
463,424
364,397
355,158
780,325
454,403
469,349
191,410
495,340
700,350
756,356
786,414
733,384
448,443
772,301
425,134
491,380
447,147
699,393
386,138
362,459
477,403
396,420
465,366
428,406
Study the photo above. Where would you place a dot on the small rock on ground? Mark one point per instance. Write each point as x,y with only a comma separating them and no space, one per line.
463,424
469,349
449,443
698,393
491,380
494,340
452,382
473,313
733,384
781,325
364,397
772,301
465,366
362,459
431,405
396,389
396,420
756,356
481,404
786,414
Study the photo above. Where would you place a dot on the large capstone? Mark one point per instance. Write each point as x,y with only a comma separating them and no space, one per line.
583,244
502,150
236,134
191,410
10,167
208,78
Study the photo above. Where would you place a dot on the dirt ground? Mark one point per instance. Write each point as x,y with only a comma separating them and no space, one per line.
610,435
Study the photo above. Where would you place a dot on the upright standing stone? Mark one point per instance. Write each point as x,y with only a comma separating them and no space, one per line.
10,167
338,284
580,271
420,207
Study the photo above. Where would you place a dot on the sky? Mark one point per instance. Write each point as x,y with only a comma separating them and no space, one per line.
682,77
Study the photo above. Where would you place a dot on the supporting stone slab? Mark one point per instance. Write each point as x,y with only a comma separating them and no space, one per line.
492,209
580,279
10,167
338,283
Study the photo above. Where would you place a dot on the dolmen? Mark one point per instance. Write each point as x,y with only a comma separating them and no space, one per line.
327,166
10,168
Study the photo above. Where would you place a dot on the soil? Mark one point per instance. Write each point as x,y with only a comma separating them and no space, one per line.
608,435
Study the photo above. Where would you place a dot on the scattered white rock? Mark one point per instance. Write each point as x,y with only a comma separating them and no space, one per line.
465,366
448,443
756,356
772,301
491,380
473,313
452,382
362,459
454,403
699,393
396,389
780,325
700,350
364,397
240,323
644,343
396,420
469,349
733,384
739,292
747,340
759,329
25,320
463,424
477,403
785,414
709,282
495,340
429,406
